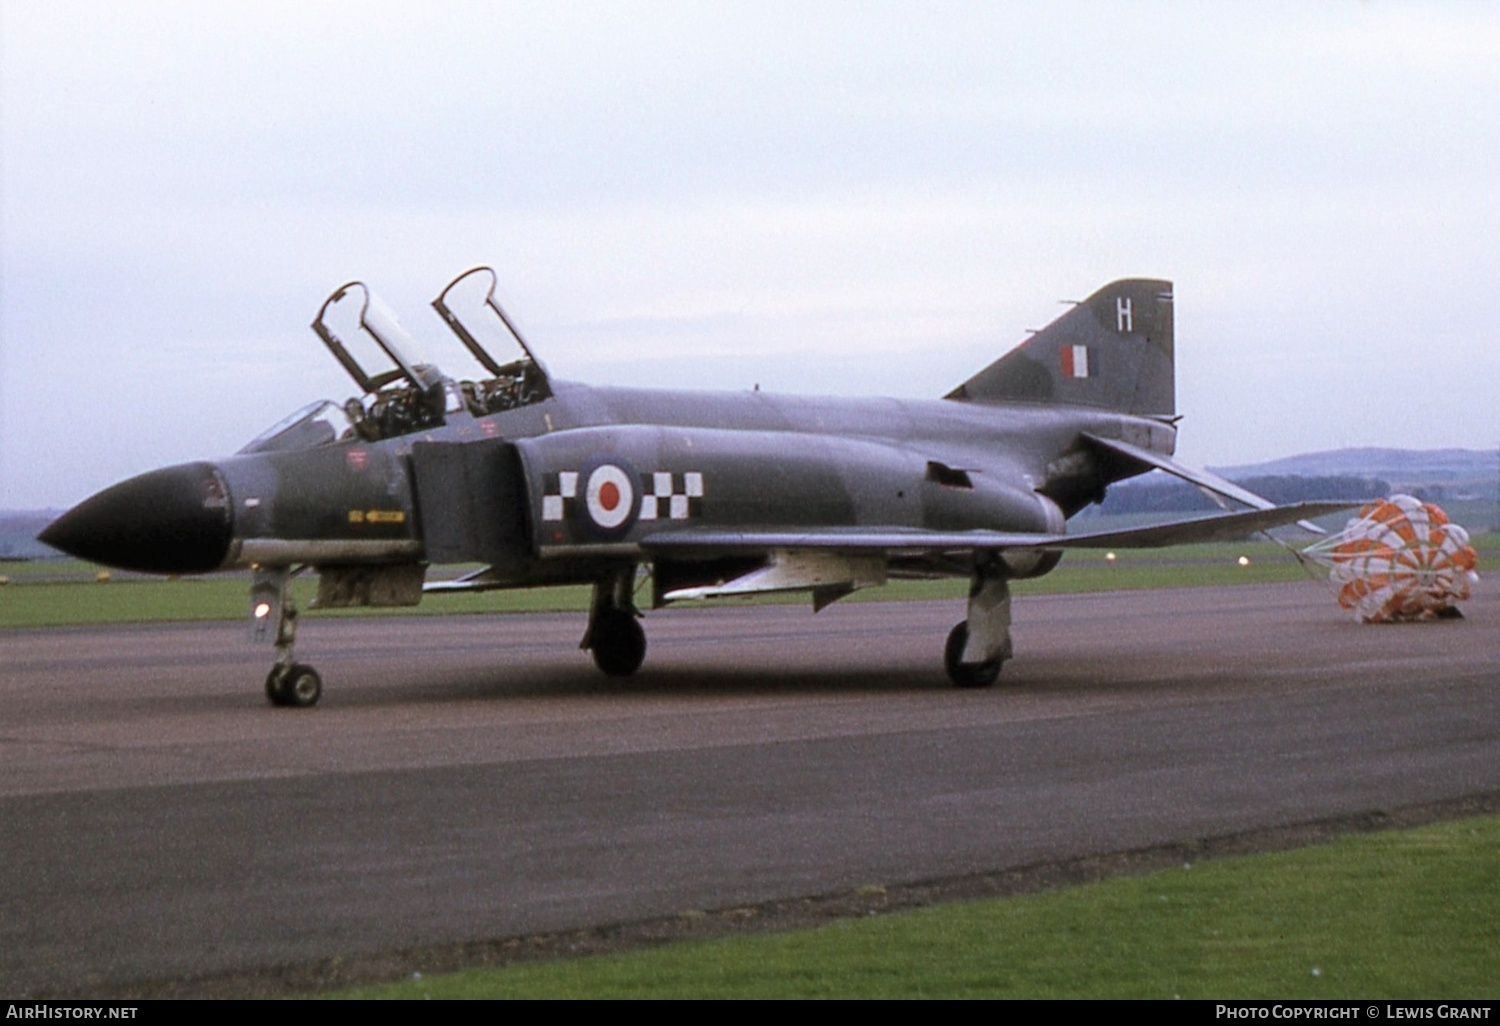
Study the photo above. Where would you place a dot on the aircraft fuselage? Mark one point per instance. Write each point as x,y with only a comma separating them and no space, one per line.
747,460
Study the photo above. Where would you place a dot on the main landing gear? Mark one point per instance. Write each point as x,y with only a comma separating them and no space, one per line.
979,645
273,618
614,635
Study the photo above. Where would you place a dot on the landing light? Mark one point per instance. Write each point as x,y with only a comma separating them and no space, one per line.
1110,557
262,610
1244,561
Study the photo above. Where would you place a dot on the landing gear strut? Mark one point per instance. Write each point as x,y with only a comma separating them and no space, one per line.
614,636
979,645
273,618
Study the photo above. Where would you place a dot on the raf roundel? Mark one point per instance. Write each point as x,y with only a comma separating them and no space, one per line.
609,497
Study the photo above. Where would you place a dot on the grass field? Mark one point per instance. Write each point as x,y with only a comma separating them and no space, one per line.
60,592
1402,914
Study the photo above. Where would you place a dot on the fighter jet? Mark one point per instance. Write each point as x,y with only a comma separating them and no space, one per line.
657,497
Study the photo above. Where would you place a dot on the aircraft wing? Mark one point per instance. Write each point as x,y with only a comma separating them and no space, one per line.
871,547
690,541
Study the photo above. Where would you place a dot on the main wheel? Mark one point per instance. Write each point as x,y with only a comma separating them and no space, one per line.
967,675
618,643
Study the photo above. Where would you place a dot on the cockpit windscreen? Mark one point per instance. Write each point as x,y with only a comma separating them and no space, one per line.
320,423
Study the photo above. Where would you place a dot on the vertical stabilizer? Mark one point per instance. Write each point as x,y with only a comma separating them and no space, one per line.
1113,350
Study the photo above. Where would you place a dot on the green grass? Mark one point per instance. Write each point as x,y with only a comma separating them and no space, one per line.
1404,914
147,600
38,602
54,592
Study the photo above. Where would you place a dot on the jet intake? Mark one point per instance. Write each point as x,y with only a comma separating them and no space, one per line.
472,501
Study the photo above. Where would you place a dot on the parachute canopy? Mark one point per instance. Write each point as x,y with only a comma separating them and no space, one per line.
1400,559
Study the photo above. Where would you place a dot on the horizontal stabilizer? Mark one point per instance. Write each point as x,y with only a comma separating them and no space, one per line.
1209,482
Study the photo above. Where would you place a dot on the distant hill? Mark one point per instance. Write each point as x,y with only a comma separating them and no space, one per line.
1161,493
1466,482
1466,473
18,531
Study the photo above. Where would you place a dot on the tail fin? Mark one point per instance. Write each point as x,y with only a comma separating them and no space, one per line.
1113,350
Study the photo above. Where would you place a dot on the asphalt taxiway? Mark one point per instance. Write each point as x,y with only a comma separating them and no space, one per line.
473,778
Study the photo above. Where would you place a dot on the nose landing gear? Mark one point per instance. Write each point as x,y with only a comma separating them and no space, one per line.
273,618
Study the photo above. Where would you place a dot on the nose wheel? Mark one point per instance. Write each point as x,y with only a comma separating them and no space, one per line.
296,686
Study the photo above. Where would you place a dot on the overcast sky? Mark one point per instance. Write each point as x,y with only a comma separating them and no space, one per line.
840,197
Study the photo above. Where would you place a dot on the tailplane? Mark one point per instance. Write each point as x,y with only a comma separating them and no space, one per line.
1113,350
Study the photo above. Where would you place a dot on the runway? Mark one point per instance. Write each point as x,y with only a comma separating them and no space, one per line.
474,778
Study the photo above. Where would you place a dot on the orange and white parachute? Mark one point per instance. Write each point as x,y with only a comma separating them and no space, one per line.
1400,559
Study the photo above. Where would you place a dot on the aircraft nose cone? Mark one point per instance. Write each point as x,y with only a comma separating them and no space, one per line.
172,521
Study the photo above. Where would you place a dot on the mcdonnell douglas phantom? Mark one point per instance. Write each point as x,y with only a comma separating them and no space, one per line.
675,495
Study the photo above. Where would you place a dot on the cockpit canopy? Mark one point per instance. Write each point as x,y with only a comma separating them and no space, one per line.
403,392
320,423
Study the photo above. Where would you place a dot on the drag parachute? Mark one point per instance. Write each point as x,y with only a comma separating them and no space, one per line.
1400,559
